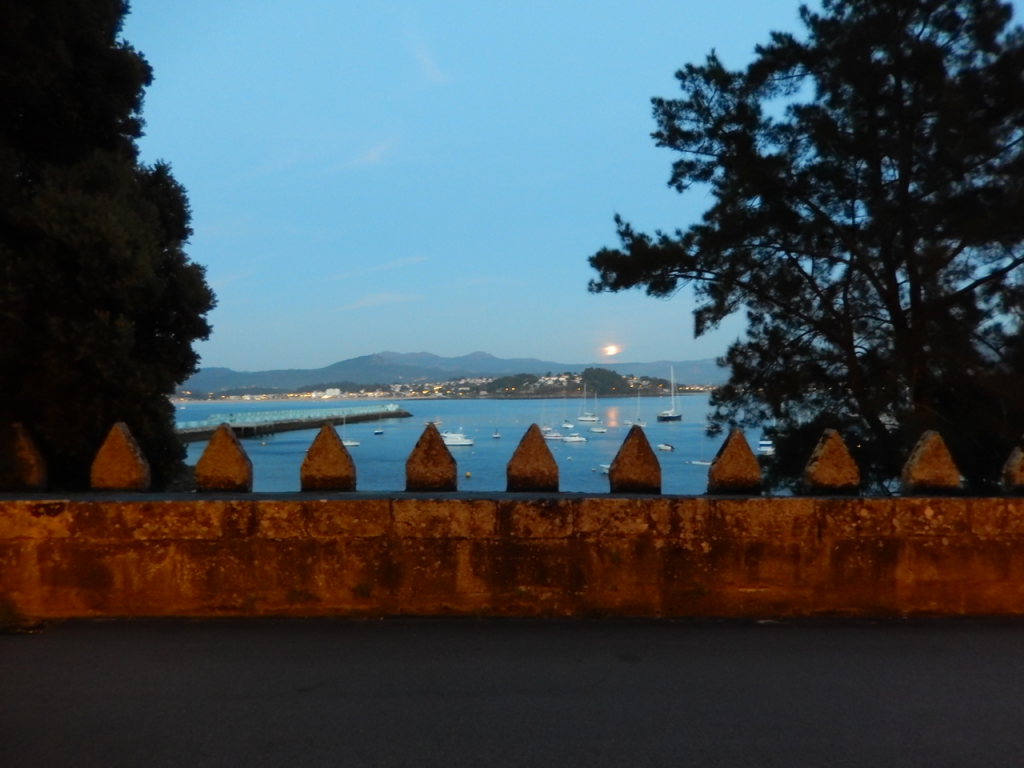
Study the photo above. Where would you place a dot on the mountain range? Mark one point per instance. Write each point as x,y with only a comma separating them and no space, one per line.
402,368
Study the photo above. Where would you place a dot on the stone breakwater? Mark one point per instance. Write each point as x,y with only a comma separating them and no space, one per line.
269,427
509,554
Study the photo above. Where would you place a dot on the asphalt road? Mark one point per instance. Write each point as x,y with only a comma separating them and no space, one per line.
436,692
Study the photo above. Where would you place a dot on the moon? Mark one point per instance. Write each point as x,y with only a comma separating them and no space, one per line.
611,349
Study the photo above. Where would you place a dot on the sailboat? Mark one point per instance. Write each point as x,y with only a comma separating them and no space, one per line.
566,424
596,428
670,414
638,422
345,441
544,426
587,415
702,461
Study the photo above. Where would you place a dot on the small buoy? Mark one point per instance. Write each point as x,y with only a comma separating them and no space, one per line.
264,443
467,474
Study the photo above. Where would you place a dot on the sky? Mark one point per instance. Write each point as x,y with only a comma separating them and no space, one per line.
429,177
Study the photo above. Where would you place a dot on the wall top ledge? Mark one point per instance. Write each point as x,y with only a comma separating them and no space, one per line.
356,496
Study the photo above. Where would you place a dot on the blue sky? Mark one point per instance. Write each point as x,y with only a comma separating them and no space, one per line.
414,176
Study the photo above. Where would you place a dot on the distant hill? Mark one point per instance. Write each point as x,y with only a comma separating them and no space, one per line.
401,368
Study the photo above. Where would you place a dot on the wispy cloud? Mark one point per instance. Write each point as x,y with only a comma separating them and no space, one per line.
373,155
428,66
380,268
380,299
479,281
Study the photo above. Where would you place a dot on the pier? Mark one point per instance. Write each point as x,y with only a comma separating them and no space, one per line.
259,423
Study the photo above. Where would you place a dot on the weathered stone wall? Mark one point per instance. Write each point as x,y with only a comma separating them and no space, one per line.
509,554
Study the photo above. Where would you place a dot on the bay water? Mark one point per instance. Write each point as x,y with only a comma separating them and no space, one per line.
380,459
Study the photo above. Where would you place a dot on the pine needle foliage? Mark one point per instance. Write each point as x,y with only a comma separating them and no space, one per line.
99,304
867,180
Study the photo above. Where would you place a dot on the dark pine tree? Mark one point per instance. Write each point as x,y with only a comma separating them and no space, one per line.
868,215
99,305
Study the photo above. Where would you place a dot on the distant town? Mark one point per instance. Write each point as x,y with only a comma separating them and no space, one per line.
595,381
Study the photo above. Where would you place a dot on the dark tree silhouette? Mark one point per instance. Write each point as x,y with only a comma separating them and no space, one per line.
99,305
868,215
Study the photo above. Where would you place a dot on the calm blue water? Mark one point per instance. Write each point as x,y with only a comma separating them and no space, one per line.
380,459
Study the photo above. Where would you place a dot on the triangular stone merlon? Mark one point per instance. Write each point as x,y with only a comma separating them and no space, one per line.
224,465
430,466
328,466
1013,471
24,466
635,468
532,467
734,470
930,467
119,464
831,468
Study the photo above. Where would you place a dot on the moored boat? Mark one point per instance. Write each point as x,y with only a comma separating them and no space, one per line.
586,415
670,414
456,438
344,440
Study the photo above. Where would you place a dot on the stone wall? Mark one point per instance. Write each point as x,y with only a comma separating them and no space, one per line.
509,554
331,550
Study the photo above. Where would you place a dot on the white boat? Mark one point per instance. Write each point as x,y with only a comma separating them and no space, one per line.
665,447
604,468
587,415
599,430
766,447
701,462
496,434
378,431
575,437
344,440
552,435
670,414
566,424
637,422
456,438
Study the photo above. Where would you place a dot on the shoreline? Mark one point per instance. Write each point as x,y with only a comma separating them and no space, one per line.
356,400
